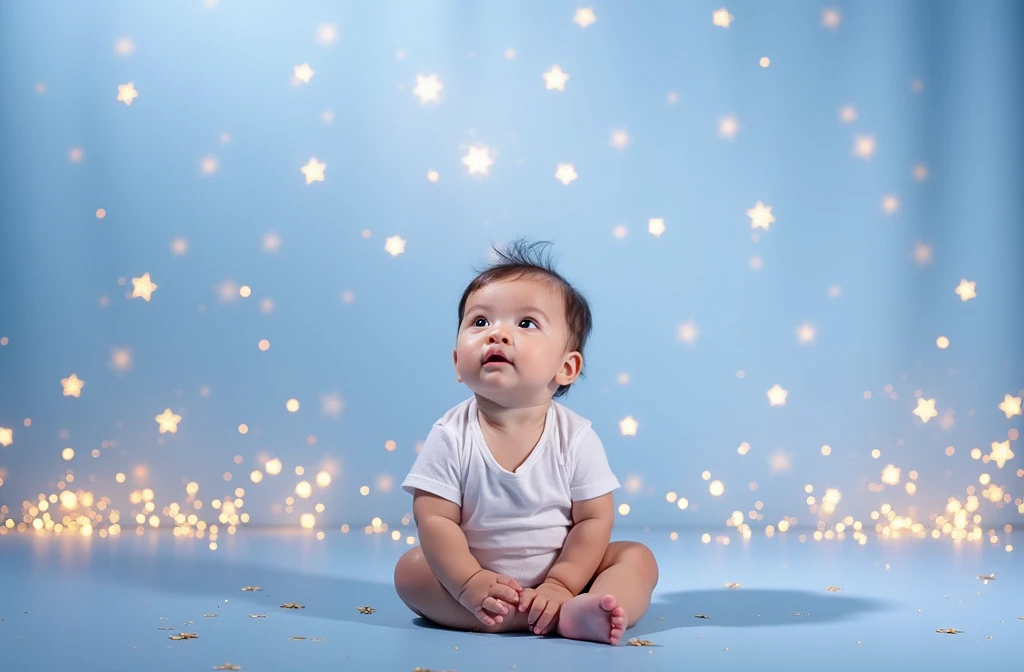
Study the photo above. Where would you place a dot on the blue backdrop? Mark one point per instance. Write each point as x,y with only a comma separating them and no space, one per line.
823,198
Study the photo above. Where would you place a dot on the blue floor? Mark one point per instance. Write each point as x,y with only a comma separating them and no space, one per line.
110,604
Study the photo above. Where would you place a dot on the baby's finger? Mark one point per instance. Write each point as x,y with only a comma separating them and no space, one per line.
504,593
547,616
494,606
509,581
526,599
537,609
483,617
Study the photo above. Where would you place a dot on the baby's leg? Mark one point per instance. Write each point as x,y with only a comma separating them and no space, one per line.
425,595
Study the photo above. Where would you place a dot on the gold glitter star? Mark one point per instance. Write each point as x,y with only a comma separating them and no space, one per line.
292,605
185,635
478,160
565,173
428,88
227,666
143,287
584,16
891,475
833,589
72,386
777,396
656,226
555,78
6,436
628,426
126,93
1001,453
1010,406
366,610
761,216
168,421
950,631
925,409
303,73
966,290
394,246
721,18
314,171
636,641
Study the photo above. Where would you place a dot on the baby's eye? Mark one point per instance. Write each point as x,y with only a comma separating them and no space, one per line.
527,320
480,322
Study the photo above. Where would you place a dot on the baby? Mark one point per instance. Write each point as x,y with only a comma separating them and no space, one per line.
512,492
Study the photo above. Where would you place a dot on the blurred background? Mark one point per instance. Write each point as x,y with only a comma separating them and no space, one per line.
233,236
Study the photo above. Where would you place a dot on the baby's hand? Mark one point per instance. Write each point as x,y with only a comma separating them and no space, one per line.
489,596
544,602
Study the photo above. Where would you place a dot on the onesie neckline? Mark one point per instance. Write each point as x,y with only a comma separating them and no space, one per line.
474,422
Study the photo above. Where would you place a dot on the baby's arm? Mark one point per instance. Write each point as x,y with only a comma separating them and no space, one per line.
443,541
585,546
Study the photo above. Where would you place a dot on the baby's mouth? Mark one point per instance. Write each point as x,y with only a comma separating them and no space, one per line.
496,359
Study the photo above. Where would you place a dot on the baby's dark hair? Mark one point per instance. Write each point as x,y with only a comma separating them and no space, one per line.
521,258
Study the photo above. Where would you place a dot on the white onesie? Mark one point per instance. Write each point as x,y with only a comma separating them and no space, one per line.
515,522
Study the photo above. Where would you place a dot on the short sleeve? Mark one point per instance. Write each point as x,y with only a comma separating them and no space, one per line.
591,474
437,469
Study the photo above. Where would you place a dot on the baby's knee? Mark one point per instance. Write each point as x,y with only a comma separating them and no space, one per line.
409,573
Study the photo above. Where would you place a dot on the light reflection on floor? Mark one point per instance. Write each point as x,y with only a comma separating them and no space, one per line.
99,604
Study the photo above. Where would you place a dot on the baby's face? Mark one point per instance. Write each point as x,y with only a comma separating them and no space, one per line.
512,344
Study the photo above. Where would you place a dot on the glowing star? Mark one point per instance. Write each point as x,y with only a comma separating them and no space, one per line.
619,139
721,18
805,333
72,386
584,16
6,436
891,475
830,18
890,204
326,33
761,216
565,173
126,93
727,127
428,89
303,73
847,114
777,396
168,421
143,287
780,462
121,359
394,246
864,146
1010,406
555,78
1001,453
628,426
965,290
314,171
925,409
656,226
271,242
687,332
331,404
923,253
478,160
124,46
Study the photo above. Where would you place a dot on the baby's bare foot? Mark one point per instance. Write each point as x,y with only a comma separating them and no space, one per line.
592,617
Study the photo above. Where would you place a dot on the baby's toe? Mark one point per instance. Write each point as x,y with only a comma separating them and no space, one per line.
618,620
